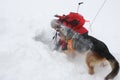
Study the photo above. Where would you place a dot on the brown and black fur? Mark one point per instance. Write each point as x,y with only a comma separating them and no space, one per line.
92,59
101,52
98,52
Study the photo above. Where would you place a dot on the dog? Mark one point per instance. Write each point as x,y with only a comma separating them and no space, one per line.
97,50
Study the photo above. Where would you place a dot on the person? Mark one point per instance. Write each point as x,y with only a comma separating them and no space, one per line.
74,21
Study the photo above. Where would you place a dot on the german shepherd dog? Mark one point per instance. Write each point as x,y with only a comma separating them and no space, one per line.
97,50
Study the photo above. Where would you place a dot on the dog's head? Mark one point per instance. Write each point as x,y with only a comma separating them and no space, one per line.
64,30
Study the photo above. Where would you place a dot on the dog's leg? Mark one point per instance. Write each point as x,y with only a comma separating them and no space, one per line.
93,59
90,62
91,68
103,63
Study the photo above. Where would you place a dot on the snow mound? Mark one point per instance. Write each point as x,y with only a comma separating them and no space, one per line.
31,57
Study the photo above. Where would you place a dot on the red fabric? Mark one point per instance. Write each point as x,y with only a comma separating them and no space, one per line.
63,44
71,16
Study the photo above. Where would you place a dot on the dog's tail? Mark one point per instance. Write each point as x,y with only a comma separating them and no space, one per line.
115,66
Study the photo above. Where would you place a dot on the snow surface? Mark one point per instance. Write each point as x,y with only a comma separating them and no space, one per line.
26,46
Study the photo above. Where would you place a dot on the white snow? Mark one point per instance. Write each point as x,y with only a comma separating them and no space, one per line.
22,57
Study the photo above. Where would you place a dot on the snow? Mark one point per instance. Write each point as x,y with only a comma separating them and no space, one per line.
26,46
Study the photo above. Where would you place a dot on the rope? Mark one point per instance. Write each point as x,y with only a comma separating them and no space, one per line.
79,6
98,13
55,37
